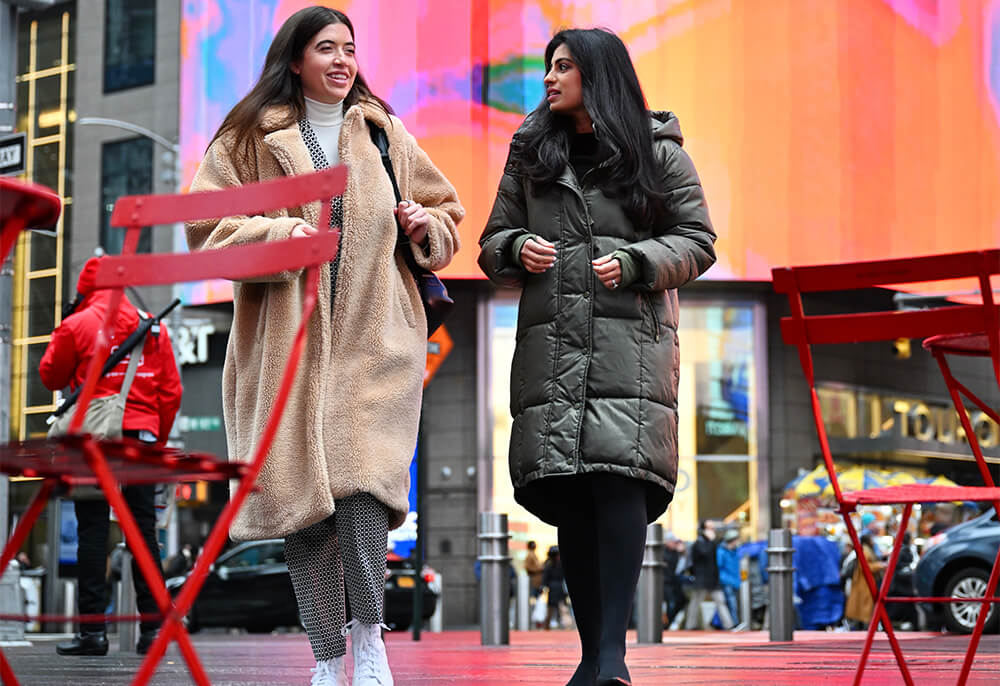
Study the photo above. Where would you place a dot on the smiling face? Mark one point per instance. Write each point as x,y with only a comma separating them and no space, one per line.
328,66
564,85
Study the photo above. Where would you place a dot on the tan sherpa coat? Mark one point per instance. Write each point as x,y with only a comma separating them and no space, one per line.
351,422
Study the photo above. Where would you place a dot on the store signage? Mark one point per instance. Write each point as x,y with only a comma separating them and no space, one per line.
187,424
863,414
12,157
438,347
191,345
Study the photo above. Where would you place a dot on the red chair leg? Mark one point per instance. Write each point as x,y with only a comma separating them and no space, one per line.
6,673
172,623
21,532
879,612
27,521
147,567
953,385
878,595
984,612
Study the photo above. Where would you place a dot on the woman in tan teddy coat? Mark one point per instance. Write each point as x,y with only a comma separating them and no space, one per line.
337,478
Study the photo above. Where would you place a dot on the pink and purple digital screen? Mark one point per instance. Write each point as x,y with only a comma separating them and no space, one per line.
822,131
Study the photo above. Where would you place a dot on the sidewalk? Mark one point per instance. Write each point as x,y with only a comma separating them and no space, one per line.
539,658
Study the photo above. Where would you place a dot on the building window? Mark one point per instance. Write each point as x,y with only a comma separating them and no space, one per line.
126,169
129,44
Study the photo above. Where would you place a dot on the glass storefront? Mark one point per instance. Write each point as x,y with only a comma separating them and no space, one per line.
720,401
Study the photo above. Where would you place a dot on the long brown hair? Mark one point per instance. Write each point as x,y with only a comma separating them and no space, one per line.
279,85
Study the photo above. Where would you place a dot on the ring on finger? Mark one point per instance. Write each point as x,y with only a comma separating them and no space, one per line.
614,284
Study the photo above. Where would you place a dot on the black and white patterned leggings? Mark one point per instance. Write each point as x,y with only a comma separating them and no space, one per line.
350,544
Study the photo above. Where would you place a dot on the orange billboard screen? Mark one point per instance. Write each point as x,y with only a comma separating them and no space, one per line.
823,131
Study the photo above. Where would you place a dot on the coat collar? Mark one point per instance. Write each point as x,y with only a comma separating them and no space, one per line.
285,141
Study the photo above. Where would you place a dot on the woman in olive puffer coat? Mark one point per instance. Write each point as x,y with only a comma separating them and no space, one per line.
599,217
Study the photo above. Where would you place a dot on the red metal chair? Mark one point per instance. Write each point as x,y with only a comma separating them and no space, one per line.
78,459
962,329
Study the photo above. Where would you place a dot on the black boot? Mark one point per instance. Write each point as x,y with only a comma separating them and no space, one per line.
85,643
146,638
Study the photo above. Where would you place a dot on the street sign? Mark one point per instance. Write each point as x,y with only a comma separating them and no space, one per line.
438,347
12,154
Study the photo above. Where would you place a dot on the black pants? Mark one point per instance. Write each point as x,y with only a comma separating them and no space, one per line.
601,542
92,533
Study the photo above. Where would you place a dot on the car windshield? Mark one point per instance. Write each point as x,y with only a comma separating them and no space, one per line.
251,556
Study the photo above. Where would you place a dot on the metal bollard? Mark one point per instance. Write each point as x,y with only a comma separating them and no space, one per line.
649,601
11,602
745,599
522,620
494,585
127,633
436,623
780,572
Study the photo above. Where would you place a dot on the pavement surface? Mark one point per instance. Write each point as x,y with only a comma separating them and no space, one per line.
537,658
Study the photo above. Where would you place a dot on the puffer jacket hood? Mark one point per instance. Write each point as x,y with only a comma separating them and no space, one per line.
595,371
666,126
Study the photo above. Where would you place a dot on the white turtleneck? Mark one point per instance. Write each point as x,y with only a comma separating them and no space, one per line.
326,121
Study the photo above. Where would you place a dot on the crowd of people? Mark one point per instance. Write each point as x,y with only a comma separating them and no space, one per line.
702,578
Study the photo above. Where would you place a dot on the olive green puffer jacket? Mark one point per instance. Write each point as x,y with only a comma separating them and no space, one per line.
594,376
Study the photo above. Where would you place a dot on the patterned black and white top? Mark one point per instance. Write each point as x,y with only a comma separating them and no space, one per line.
337,203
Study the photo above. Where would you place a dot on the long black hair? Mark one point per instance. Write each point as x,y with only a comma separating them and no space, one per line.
625,167
279,85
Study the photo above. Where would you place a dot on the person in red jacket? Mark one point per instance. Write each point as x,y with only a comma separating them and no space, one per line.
152,404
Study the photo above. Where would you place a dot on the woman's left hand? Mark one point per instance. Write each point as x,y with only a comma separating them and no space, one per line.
414,220
609,271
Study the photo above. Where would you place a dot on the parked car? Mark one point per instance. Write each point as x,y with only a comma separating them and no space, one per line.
956,563
249,587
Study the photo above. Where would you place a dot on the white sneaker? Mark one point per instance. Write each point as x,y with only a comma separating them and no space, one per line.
371,666
332,672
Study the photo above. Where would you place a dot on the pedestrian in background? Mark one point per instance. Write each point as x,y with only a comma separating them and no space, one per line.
673,590
599,217
705,569
533,567
860,603
728,559
150,408
336,479
554,581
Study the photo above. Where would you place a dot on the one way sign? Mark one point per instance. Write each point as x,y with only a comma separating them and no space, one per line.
12,149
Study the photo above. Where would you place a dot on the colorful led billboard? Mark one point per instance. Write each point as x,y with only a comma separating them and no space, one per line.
823,131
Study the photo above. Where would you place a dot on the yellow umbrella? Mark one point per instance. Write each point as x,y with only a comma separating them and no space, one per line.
856,479
938,481
900,479
812,483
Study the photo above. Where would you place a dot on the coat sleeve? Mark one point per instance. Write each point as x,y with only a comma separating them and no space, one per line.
682,246
508,221
218,171
429,187
168,388
60,360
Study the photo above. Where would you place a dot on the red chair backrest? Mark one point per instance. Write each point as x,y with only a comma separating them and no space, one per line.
235,263
803,330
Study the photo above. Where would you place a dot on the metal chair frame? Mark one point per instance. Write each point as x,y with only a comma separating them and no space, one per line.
80,459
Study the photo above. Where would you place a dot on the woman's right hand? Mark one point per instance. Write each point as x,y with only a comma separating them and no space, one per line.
304,230
537,255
